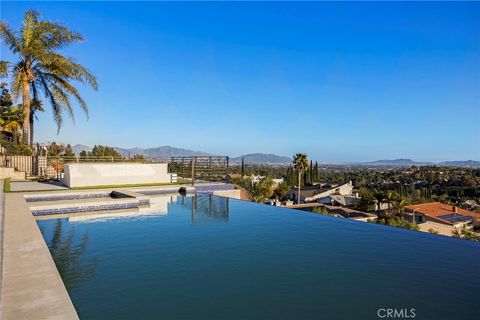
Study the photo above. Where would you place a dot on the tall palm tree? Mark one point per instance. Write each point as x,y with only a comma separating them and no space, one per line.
300,162
41,68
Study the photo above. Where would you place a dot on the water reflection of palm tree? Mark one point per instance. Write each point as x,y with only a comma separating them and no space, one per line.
68,256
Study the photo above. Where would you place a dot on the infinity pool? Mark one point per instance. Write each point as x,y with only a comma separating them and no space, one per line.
207,257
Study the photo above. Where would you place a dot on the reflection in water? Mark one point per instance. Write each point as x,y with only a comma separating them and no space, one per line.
69,258
205,207
70,252
158,207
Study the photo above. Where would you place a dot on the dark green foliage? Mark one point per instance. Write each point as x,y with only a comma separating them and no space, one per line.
259,191
105,151
281,191
16,149
465,233
398,222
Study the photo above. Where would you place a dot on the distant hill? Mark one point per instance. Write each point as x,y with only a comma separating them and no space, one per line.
158,152
264,158
395,162
410,162
261,158
161,152
468,163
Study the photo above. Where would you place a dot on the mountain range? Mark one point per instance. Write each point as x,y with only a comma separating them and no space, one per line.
410,162
158,152
263,158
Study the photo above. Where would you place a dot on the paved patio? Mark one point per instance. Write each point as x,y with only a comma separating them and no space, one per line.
36,185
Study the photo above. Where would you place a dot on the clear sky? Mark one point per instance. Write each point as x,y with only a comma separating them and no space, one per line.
339,81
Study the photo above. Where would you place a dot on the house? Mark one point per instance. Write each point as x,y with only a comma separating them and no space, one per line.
342,189
318,191
442,213
307,191
340,200
350,213
256,179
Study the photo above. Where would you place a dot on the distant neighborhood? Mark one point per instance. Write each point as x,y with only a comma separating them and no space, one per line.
434,199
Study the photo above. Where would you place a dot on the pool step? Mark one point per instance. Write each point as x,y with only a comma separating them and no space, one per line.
117,200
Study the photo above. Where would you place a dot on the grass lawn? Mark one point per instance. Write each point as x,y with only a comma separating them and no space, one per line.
6,185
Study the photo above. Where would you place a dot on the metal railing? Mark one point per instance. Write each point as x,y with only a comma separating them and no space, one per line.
206,168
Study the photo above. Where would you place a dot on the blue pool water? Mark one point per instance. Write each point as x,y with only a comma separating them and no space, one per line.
207,257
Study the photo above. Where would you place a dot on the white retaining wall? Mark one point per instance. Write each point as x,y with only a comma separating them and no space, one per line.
97,174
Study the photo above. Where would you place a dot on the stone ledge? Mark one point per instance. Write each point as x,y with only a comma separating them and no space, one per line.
31,285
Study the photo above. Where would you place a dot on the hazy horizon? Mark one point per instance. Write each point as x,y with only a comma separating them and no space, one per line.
273,153
342,82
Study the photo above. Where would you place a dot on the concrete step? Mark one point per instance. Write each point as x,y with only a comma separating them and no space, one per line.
6,170
12,174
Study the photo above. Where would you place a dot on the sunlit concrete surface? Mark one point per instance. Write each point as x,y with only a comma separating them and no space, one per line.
31,285
36,185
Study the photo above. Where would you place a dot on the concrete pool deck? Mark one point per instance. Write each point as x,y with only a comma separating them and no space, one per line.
31,285
23,186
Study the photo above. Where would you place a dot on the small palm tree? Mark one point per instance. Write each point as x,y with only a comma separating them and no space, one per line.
40,68
300,162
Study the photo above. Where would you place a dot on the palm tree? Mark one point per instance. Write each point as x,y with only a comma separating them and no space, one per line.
300,162
41,68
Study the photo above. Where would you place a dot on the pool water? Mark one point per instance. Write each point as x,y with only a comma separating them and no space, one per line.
208,257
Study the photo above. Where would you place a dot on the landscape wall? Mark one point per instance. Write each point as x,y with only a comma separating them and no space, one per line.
89,174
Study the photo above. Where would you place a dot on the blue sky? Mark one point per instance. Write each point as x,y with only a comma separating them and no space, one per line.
339,81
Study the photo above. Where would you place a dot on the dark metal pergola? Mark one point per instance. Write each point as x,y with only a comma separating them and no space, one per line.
207,168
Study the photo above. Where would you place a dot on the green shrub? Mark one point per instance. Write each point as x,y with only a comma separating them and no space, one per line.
16,149
398,222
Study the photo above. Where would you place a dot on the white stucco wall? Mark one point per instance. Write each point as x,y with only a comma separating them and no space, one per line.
96,174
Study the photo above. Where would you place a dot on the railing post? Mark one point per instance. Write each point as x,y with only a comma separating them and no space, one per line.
193,169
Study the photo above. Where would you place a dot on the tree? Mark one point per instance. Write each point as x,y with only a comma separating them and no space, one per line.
55,149
399,203
465,233
105,151
300,163
243,167
69,151
10,116
281,190
41,68
258,191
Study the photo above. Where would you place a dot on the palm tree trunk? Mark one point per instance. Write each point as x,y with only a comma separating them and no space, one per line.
31,118
26,110
299,180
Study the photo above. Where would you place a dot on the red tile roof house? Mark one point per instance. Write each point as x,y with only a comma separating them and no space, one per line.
442,213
